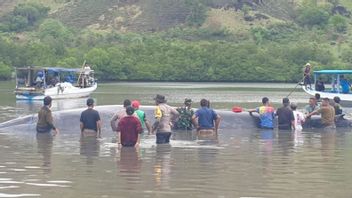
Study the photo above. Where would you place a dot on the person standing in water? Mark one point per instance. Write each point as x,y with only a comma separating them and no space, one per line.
90,121
285,116
186,112
141,115
164,115
206,120
130,129
266,114
327,114
299,117
45,119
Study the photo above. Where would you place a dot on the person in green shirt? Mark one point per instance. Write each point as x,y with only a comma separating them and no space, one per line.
186,112
141,115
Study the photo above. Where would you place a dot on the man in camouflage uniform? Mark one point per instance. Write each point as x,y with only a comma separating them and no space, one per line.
184,121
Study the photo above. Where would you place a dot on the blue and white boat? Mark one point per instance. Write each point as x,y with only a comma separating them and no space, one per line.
335,84
34,83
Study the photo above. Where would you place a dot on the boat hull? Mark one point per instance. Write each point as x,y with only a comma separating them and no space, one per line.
60,91
346,99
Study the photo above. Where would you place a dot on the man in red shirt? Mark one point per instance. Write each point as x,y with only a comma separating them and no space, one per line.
130,129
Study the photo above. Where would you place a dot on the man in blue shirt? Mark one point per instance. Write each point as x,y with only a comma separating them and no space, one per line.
205,119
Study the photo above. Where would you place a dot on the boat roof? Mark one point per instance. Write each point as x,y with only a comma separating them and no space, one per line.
333,72
53,69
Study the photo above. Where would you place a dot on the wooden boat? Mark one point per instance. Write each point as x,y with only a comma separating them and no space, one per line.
34,83
338,85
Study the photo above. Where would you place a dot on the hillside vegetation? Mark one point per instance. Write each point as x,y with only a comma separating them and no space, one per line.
178,40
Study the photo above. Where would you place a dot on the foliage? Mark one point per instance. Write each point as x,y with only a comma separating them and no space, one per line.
312,16
24,16
339,23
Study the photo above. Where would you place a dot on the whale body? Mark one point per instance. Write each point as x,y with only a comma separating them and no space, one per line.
68,120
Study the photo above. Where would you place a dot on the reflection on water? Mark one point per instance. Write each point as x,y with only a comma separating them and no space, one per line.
89,147
45,147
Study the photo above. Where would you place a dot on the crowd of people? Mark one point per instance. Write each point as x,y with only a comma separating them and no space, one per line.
130,122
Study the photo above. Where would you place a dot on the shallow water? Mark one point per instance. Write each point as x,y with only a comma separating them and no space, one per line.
239,163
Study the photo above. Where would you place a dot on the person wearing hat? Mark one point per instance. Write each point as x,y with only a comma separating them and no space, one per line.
90,121
130,129
306,76
299,117
286,119
141,115
45,119
186,112
164,115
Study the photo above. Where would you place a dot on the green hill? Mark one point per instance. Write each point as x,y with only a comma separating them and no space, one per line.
178,40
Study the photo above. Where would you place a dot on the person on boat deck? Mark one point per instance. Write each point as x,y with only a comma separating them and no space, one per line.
345,85
327,114
285,116
266,114
186,112
141,115
120,114
130,129
39,80
306,74
90,122
206,120
337,106
45,119
319,86
312,105
55,80
164,115
299,117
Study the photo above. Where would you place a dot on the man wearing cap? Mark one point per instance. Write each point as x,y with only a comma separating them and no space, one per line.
141,115
286,119
90,121
306,74
164,115
186,112
206,120
129,128
45,118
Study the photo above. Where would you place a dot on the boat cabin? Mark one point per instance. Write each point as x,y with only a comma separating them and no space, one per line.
40,78
338,80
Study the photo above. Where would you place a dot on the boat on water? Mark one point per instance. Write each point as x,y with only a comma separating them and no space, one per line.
35,83
337,85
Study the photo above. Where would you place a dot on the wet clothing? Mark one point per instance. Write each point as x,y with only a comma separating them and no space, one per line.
164,114
285,118
89,118
206,118
327,115
118,116
45,120
184,121
129,127
142,117
299,120
338,109
310,109
266,116
163,138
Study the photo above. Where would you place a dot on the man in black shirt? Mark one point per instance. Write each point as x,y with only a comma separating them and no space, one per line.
90,121
285,116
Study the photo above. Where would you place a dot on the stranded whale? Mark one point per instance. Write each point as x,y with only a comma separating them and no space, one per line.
68,120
